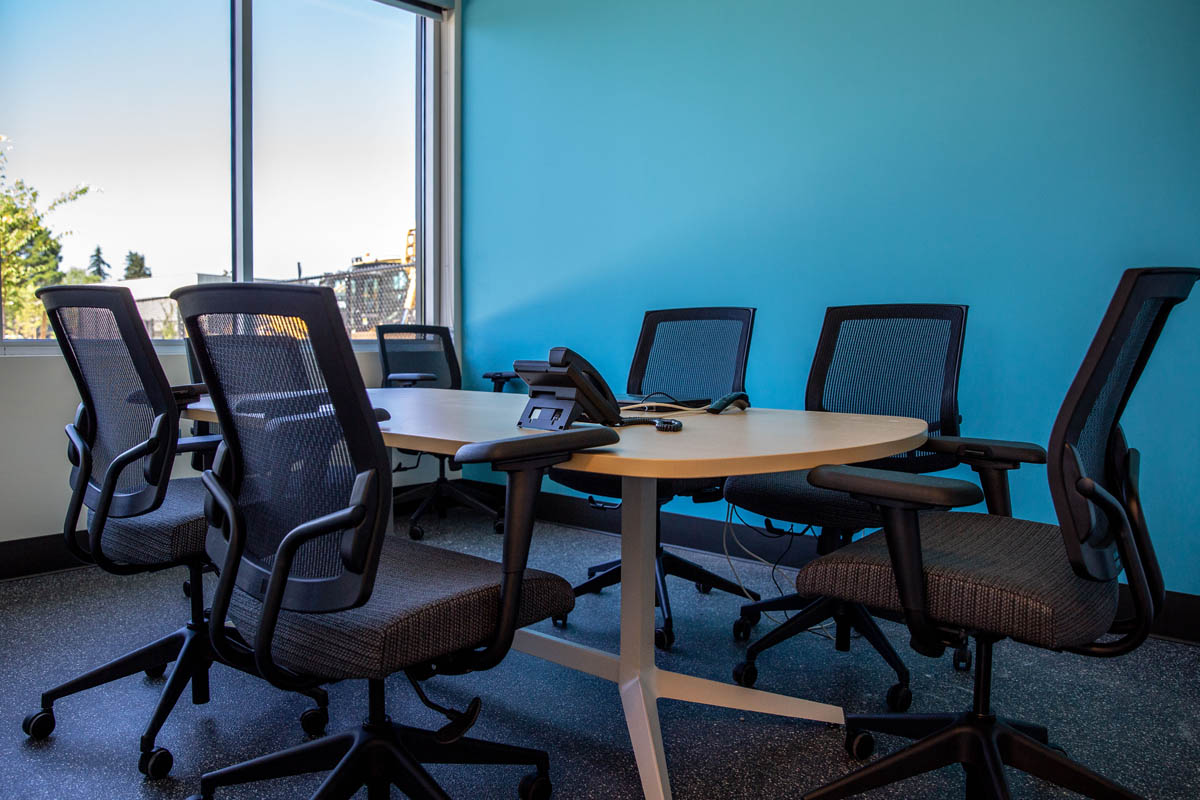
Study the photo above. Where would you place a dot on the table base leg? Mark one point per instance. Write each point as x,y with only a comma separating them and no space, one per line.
640,681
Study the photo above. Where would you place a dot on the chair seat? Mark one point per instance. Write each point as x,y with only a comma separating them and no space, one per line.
427,602
173,532
983,573
789,497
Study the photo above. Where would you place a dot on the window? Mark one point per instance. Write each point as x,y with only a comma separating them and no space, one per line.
334,154
116,162
115,157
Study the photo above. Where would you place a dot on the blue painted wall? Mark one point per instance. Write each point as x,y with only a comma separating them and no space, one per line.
1015,156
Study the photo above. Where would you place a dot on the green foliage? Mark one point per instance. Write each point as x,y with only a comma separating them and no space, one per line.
30,253
97,265
76,275
135,266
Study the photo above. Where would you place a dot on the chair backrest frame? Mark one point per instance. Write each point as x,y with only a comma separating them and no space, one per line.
648,338
390,360
338,396
1138,311
155,394
947,365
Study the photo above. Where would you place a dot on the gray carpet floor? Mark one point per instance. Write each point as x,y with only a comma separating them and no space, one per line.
1135,718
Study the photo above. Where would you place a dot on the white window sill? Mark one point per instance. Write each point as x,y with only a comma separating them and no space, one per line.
164,347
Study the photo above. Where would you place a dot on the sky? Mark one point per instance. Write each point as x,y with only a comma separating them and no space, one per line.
131,97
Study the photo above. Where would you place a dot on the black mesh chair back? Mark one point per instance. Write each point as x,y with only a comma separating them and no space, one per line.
288,355
1086,441
898,359
692,353
126,399
419,348
302,444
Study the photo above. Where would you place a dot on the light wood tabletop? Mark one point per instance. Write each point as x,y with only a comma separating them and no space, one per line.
710,445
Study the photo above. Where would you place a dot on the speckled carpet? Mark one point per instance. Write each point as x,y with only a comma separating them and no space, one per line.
1136,718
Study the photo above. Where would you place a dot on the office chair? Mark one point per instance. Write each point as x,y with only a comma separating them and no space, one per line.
122,446
901,360
299,508
953,575
423,355
685,354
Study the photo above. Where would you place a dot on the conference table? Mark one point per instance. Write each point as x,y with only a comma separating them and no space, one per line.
746,442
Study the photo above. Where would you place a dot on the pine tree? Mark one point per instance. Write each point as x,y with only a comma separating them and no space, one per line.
135,266
97,265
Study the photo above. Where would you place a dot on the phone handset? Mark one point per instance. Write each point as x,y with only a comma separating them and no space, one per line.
599,404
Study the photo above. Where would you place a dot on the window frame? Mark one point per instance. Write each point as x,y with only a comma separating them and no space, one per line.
436,181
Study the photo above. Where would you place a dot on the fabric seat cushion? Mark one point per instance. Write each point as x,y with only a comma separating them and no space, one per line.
984,573
427,602
173,532
788,496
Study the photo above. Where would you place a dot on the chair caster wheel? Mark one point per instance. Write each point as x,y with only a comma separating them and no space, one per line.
745,674
498,527
1057,748
156,763
39,724
187,588
535,786
415,533
664,638
703,588
741,629
314,720
899,698
156,672
962,658
559,622
859,744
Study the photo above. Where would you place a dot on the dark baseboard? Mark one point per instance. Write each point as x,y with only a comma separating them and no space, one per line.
22,557
1179,620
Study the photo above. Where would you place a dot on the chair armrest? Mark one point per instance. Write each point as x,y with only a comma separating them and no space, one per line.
897,489
349,517
406,379
521,448
197,444
188,392
991,459
499,378
970,451
525,459
899,496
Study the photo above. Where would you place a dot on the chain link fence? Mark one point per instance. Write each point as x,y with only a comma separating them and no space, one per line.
367,294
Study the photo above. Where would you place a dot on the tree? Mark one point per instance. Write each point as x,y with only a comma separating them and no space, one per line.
77,275
97,265
135,266
30,253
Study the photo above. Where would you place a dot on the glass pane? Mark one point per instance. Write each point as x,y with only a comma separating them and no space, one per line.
334,154
115,163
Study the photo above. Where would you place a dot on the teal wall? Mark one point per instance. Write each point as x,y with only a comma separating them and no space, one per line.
1015,156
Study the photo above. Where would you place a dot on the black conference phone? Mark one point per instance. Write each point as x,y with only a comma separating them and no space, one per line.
565,389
